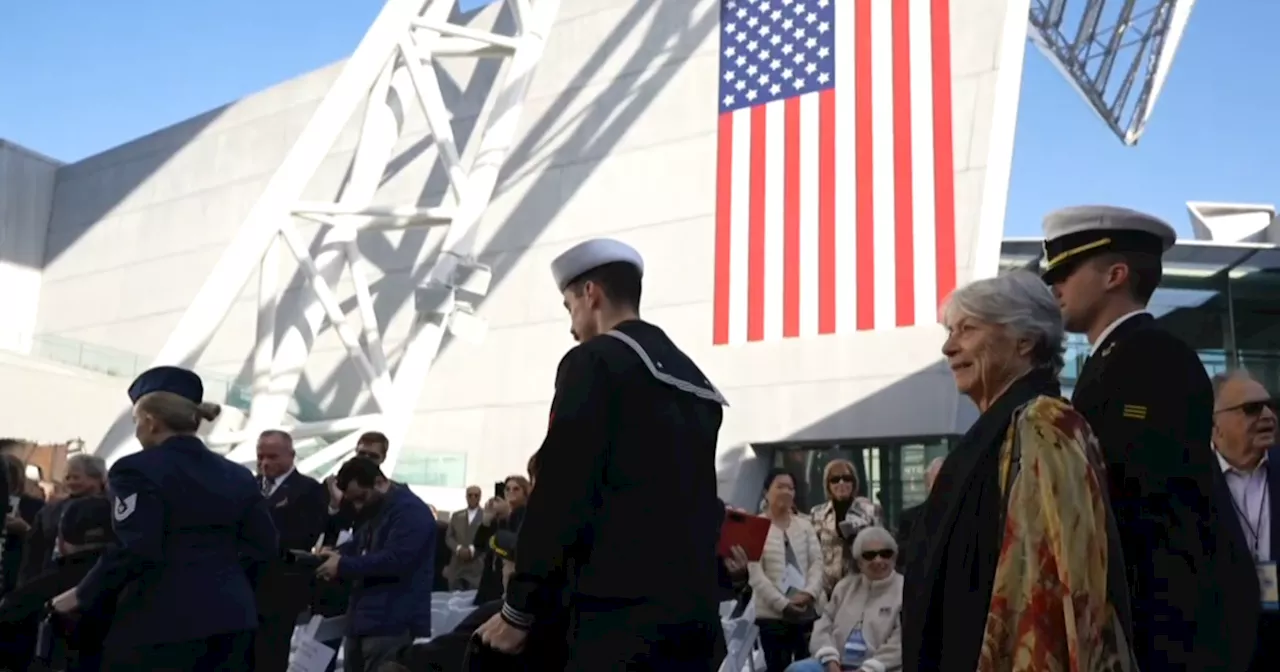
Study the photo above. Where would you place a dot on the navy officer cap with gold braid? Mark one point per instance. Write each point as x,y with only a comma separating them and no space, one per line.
1074,234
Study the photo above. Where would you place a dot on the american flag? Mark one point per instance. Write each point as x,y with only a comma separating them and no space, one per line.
835,187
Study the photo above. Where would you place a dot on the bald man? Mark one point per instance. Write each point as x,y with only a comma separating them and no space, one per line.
1244,440
299,509
907,519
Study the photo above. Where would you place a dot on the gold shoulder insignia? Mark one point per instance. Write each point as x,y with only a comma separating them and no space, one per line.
1134,412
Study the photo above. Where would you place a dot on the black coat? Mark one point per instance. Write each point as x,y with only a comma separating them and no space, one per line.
15,545
1149,401
906,520
81,639
633,420
1267,624
299,510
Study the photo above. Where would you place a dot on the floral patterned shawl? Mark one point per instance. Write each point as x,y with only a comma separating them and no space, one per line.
1050,608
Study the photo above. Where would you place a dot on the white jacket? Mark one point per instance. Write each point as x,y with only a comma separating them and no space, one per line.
876,605
766,575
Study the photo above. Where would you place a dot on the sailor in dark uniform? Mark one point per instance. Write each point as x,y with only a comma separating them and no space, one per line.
187,520
625,516
1150,403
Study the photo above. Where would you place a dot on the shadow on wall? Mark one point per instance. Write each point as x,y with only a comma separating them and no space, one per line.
596,132
114,175
599,128
921,404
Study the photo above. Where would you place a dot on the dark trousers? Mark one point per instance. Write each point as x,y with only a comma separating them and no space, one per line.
641,638
783,642
271,641
229,652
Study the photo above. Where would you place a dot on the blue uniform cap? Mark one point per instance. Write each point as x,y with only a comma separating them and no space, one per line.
171,379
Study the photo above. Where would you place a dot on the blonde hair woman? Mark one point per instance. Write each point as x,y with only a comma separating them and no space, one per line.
843,505
186,519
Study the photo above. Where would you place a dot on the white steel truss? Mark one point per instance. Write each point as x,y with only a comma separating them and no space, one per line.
1117,55
393,64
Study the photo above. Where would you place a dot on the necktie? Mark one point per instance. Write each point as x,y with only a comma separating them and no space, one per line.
266,486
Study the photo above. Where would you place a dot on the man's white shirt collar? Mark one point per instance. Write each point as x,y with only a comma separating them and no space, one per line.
1102,338
1227,468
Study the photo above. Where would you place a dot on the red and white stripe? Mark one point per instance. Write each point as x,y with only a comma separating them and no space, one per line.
835,209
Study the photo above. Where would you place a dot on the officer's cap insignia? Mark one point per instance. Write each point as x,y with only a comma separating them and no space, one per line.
1134,412
125,507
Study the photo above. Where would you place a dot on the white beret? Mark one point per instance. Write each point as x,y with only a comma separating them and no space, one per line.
592,254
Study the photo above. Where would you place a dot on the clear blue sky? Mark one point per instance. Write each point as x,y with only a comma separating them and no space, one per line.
81,77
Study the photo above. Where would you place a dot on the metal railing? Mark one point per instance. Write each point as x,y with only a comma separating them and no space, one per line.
127,365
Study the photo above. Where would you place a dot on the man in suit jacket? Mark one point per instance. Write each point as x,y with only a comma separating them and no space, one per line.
1244,437
1148,399
467,563
297,504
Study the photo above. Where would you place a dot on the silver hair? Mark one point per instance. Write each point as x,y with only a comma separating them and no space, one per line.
870,534
1220,380
93,466
1019,301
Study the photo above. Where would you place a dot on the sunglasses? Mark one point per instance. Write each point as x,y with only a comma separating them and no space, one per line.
1251,408
846,478
886,553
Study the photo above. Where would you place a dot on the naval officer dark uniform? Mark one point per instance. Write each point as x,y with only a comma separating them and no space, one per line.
1148,399
187,521
625,516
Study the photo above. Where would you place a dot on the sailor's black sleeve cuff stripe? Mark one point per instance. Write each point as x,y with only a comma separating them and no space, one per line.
516,618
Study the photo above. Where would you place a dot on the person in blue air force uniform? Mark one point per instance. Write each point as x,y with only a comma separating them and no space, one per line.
625,517
187,521
1148,398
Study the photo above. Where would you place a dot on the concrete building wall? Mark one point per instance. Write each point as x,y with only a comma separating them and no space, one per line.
51,403
619,139
26,200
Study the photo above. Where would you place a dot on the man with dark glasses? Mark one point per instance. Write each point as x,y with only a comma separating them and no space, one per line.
1244,437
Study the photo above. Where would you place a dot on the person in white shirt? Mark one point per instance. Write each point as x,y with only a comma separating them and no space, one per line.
1244,439
859,628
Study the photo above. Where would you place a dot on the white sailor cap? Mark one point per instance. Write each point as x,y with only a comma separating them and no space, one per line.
1076,233
592,254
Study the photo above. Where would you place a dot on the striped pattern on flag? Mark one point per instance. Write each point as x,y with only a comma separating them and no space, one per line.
835,186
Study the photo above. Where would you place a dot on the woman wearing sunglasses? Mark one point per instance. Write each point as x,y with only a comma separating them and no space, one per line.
859,627
839,519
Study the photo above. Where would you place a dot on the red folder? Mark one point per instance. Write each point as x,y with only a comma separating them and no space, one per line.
745,530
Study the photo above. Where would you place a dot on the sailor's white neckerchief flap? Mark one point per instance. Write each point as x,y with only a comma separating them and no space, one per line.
705,390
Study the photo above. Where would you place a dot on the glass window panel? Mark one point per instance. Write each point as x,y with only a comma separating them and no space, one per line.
441,470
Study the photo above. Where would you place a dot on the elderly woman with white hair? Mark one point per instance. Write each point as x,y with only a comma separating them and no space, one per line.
1019,566
86,476
860,628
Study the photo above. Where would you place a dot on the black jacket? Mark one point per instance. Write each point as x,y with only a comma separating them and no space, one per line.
80,640
633,420
1149,401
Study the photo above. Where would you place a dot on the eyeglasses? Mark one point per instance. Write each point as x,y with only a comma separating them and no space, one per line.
886,553
842,478
1251,408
